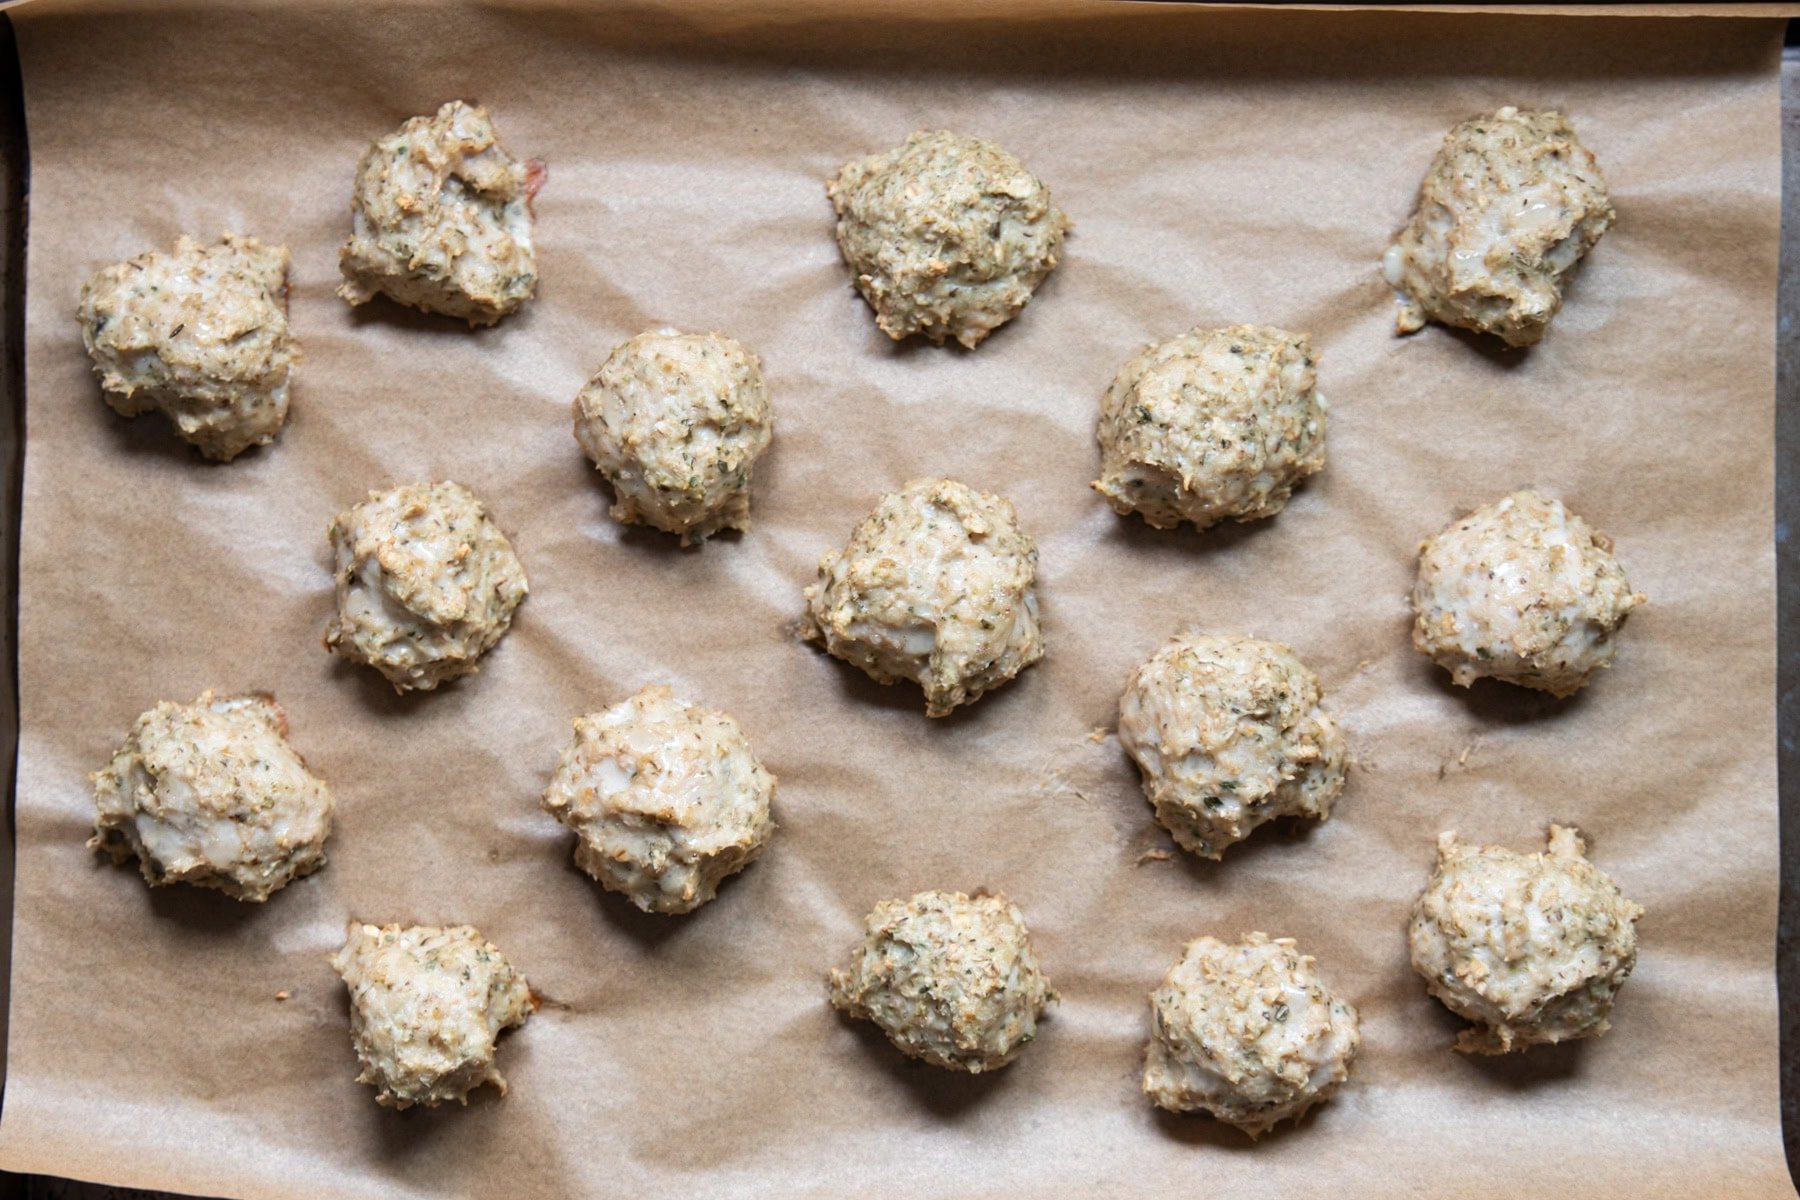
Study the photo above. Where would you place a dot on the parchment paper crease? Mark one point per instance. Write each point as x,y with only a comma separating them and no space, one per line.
1220,167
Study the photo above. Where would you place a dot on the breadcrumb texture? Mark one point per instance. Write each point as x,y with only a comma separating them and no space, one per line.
949,235
1214,424
951,979
426,1007
441,219
1228,733
1522,590
1248,1033
199,333
1511,204
210,793
426,584
1532,948
666,799
937,585
676,422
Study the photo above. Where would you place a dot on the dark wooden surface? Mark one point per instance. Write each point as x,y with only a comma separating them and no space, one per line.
14,173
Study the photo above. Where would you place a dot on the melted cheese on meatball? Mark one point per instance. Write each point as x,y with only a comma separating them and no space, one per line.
199,333
1213,424
666,799
1227,733
1522,590
210,793
937,585
426,584
1248,1033
441,219
1511,204
948,235
951,979
1532,948
676,423
426,1008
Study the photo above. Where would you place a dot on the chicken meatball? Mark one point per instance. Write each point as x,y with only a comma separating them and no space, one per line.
426,584
938,586
676,423
951,979
210,793
1227,733
948,235
1530,947
441,219
666,798
1248,1033
426,1007
200,333
1509,207
1522,590
1213,424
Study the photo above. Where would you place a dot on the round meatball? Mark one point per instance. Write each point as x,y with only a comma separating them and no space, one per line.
938,586
1213,424
199,333
426,584
426,1007
1248,1033
948,235
676,422
210,793
1530,947
1227,733
1522,590
441,219
666,798
1511,204
951,979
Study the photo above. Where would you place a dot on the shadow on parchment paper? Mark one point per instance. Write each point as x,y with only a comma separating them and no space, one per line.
150,435
905,696
1198,1129
1184,540
206,911
946,1095
1080,47
394,315
649,930
377,695
1493,702
1484,345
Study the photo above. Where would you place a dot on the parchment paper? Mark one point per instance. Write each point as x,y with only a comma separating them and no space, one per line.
1220,167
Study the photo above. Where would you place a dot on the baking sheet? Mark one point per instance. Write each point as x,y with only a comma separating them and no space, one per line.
1219,167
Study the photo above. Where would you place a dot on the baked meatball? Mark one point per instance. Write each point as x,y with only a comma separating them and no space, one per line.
676,422
210,793
1522,590
1248,1033
426,584
938,586
1530,947
666,799
426,1006
951,979
1511,204
1227,733
441,219
948,235
1213,424
200,333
